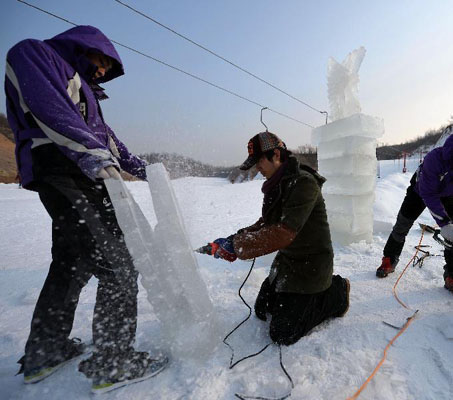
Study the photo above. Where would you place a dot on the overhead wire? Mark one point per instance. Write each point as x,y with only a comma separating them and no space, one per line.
174,68
217,55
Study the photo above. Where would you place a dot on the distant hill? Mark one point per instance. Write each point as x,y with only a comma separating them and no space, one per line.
8,170
422,143
5,130
180,166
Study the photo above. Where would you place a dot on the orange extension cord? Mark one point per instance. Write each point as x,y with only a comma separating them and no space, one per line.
405,326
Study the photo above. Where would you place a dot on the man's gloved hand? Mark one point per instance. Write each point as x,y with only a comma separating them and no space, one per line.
447,232
109,172
223,248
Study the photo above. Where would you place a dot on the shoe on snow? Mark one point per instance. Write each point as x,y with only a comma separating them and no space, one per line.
39,373
100,363
347,288
119,378
449,283
71,349
387,267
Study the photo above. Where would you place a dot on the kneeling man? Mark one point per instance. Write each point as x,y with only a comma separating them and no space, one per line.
301,290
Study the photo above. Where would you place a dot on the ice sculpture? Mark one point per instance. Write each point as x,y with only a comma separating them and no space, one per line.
343,84
347,154
168,268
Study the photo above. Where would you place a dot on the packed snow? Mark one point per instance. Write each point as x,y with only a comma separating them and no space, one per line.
330,363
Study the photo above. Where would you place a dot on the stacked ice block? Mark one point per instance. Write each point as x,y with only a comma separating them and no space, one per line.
347,159
168,268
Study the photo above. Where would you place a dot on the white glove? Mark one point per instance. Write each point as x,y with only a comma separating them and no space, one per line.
447,232
109,172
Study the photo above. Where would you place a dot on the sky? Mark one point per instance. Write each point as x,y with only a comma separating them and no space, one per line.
406,77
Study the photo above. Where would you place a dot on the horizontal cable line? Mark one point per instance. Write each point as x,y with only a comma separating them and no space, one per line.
174,68
47,12
208,83
217,55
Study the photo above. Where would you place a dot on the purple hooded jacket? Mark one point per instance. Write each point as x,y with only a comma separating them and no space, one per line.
45,84
435,179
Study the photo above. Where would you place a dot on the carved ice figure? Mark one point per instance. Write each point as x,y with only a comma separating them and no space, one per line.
343,84
168,268
347,154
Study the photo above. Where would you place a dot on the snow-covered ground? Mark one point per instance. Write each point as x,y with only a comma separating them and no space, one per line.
330,363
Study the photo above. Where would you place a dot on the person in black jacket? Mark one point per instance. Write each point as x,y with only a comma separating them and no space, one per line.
301,290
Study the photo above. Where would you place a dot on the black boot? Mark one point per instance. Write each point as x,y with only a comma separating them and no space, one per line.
264,300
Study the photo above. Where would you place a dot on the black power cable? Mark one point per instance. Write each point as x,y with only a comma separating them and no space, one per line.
217,55
173,67
245,397
232,365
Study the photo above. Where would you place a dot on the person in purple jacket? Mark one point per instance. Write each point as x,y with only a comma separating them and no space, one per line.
432,187
64,151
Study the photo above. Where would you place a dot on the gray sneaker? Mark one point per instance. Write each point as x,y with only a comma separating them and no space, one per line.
67,351
131,371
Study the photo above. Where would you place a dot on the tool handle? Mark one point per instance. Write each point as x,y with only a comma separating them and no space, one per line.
444,242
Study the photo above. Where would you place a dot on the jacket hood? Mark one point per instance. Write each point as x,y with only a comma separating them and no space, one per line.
74,44
295,168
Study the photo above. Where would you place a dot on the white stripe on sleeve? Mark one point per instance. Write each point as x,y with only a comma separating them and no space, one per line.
56,137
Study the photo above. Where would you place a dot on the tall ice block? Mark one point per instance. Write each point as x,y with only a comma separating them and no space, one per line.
168,268
347,159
